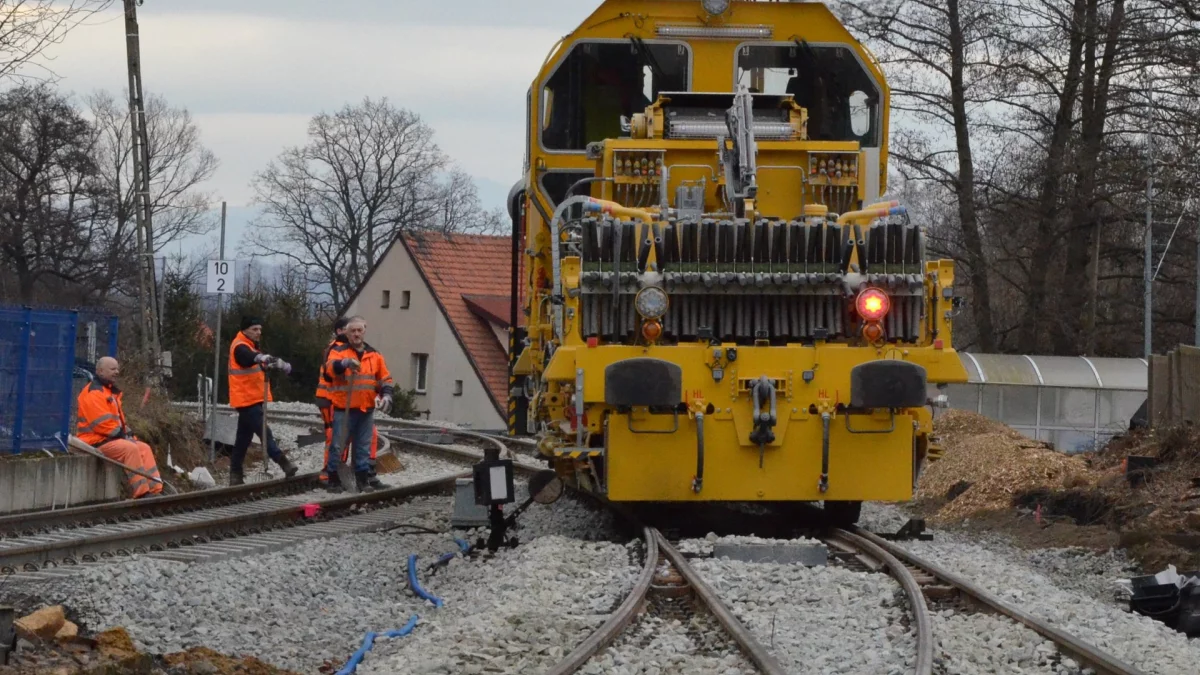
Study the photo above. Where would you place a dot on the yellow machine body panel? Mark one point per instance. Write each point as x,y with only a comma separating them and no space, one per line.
878,467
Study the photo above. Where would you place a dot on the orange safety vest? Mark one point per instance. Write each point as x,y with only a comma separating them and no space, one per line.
324,398
364,384
101,418
245,384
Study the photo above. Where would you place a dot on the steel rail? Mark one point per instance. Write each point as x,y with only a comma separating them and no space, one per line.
40,522
912,590
1087,655
69,551
750,645
620,619
457,453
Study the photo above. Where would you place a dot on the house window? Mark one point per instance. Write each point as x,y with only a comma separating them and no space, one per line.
420,372
405,298
458,387
387,299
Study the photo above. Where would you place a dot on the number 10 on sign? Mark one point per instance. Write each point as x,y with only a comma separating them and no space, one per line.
220,276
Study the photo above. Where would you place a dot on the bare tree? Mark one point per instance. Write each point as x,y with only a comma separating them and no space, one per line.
367,173
179,165
51,203
939,49
29,27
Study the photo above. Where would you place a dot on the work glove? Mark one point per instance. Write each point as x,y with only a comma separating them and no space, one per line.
383,402
280,364
263,359
351,364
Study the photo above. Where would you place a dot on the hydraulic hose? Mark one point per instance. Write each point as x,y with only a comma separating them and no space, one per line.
415,585
880,212
369,642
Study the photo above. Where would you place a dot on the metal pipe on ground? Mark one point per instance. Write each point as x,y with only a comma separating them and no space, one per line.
79,444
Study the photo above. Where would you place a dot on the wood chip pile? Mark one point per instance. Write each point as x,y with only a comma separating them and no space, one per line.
997,461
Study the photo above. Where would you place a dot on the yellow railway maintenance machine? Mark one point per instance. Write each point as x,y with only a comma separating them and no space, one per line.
717,306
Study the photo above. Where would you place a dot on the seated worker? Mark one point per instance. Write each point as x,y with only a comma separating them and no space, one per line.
102,425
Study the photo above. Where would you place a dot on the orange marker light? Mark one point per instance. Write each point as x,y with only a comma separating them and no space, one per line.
651,330
873,304
872,332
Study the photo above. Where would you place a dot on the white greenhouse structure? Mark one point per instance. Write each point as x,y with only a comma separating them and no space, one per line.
1075,403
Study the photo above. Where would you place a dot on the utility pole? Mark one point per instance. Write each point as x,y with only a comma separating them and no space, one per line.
216,381
1148,273
148,284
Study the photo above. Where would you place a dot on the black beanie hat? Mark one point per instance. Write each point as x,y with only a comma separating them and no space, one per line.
248,321
340,324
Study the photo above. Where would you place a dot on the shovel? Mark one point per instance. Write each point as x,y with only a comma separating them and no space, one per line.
263,437
344,471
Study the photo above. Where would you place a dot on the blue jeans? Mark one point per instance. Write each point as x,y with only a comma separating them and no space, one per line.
358,433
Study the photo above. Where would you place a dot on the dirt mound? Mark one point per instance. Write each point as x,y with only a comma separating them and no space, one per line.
113,651
992,475
986,465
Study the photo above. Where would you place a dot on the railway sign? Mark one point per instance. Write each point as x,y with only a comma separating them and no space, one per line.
221,276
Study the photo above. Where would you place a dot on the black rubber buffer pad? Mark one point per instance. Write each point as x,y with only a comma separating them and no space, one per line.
643,382
889,383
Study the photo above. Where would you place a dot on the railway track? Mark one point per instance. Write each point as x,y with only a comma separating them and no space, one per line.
666,572
212,523
943,587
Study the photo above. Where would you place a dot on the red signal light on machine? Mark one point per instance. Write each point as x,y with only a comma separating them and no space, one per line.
651,330
873,304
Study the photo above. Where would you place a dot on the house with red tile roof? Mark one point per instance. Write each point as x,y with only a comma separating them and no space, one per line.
437,307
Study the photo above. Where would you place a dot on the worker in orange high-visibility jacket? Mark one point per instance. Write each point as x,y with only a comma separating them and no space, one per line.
247,386
325,406
324,402
102,425
359,382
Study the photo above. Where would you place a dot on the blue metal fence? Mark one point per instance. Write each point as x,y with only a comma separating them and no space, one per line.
41,352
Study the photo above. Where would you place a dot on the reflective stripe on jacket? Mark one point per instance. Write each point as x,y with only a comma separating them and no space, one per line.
101,418
245,383
368,381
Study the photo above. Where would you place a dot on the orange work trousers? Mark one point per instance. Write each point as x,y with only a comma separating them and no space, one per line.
139,456
327,418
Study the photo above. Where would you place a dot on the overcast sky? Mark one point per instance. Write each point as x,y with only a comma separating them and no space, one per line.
253,72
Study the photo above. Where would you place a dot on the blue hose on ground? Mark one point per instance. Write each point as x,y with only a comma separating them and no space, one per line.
416,585
464,548
369,642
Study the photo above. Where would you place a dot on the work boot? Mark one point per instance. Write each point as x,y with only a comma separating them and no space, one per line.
363,481
236,477
374,482
289,469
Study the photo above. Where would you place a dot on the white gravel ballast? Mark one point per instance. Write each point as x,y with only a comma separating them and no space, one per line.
518,612
816,619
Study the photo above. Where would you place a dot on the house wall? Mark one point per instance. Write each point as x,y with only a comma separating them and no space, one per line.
422,329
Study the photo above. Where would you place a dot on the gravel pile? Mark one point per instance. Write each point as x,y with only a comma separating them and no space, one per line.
819,619
703,548
882,517
294,608
1140,641
970,644
519,612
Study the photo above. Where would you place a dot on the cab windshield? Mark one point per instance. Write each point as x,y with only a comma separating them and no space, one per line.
829,81
600,82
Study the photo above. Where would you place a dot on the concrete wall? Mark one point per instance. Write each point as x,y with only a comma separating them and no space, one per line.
57,482
422,329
